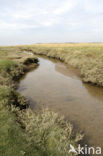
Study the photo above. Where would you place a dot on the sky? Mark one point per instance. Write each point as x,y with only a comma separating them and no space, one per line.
49,21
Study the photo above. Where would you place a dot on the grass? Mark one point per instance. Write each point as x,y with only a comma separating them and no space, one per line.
23,132
6,64
88,58
11,135
49,133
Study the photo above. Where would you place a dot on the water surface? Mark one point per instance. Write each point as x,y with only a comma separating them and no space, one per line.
59,87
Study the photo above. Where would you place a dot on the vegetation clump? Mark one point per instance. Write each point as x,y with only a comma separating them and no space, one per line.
31,60
49,133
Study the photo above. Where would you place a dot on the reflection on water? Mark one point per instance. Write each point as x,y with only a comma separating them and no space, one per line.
60,88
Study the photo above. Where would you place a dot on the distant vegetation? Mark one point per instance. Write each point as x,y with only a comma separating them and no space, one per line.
88,58
23,132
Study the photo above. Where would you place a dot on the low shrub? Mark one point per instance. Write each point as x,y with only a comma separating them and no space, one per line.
48,133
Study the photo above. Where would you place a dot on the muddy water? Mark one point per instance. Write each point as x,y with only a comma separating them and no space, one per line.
60,88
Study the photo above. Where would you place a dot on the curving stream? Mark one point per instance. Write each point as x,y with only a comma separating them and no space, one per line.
59,87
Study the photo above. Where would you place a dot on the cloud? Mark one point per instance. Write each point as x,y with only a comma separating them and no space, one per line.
65,7
15,26
46,15
53,18
94,6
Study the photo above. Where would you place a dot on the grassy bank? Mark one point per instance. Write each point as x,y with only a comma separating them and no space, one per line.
88,58
23,132
12,67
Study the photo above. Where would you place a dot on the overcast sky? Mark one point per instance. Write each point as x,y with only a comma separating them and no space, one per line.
33,21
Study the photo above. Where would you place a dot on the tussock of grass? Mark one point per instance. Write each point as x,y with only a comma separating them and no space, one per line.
7,65
10,71
9,97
